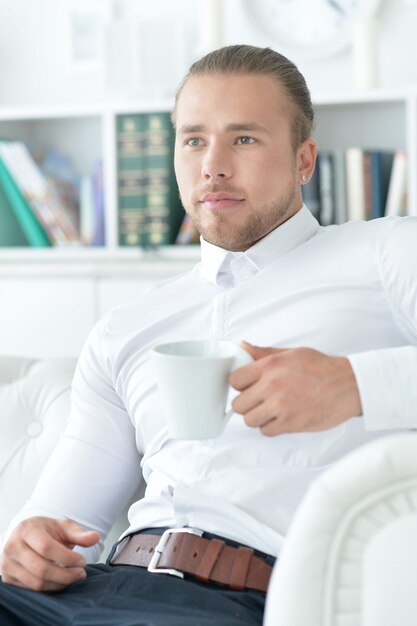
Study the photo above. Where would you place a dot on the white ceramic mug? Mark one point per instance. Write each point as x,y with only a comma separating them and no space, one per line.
192,379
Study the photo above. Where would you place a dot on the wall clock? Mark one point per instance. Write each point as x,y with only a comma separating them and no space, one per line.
313,28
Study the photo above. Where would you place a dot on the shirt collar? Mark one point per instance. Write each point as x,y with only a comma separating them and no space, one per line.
218,263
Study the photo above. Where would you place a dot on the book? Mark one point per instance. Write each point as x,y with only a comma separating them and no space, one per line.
45,205
98,234
396,203
131,179
164,213
340,198
326,188
31,231
367,185
11,234
380,172
87,209
355,184
62,177
150,212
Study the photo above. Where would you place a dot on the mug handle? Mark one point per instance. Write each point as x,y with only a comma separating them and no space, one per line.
242,358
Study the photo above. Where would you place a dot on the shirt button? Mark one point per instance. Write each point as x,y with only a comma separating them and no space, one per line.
34,429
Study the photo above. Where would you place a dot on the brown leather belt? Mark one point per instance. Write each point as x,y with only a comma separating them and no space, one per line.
180,551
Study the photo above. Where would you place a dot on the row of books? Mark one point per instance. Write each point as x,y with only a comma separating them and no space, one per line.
149,207
40,204
357,184
347,185
31,212
46,204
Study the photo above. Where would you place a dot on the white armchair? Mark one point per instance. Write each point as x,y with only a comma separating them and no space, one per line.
350,558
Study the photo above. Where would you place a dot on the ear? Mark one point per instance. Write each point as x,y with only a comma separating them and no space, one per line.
306,160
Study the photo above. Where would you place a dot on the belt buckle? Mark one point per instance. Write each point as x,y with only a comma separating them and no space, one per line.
153,565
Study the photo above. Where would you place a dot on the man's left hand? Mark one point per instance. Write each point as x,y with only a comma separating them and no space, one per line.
294,390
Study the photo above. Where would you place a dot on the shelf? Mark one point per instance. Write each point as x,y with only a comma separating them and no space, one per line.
8,114
145,105
97,254
98,262
375,96
380,118
11,114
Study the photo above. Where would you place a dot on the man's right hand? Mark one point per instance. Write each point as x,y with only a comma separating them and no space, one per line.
38,554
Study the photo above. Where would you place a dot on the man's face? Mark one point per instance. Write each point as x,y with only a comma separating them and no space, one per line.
237,172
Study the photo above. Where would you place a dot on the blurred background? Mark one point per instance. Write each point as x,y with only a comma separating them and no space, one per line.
89,209
86,50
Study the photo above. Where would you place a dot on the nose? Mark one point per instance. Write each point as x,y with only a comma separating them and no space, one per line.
217,164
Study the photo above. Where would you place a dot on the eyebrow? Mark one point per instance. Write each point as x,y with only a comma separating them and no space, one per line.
236,127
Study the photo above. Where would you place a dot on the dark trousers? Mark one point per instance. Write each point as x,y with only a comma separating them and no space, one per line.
131,596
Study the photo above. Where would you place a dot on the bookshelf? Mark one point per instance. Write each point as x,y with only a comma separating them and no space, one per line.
383,120
52,296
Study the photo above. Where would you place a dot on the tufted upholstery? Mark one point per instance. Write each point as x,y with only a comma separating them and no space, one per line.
34,406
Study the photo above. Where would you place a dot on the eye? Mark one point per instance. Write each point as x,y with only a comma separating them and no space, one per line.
243,141
193,141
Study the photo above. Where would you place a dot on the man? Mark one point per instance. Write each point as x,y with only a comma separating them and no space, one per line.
337,308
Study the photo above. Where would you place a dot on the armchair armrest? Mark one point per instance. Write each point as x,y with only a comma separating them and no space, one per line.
331,571
389,575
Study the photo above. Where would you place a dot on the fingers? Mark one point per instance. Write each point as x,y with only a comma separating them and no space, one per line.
251,382
247,375
39,574
72,534
247,401
271,428
39,555
295,390
257,352
260,414
55,539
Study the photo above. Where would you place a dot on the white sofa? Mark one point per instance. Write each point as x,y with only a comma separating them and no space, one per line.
351,555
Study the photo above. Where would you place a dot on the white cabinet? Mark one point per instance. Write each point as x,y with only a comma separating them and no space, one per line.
48,308
45,316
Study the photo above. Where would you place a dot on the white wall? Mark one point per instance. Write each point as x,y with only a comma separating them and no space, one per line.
35,51
398,49
35,60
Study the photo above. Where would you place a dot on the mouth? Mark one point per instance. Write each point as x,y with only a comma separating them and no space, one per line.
220,201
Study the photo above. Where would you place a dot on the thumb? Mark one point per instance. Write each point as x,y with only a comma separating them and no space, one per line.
77,535
257,352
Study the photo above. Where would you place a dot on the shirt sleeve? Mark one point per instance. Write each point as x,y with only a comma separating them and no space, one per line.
387,378
95,468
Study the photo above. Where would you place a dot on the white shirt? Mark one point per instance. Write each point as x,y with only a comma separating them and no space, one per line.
344,290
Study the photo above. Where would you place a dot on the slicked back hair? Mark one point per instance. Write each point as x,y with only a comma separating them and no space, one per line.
244,59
